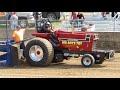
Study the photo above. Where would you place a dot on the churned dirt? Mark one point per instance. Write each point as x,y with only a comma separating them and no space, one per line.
67,69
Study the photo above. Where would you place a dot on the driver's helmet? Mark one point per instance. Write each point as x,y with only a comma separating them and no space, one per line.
47,25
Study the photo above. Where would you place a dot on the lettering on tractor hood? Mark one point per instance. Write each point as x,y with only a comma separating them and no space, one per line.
71,41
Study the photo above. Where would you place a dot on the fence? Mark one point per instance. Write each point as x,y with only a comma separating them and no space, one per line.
100,26
112,25
22,23
108,40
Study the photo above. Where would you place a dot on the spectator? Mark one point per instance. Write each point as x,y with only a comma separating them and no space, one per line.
13,21
18,36
103,15
113,14
81,17
73,17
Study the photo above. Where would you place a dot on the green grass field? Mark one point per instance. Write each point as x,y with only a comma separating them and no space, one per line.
2,25
54,24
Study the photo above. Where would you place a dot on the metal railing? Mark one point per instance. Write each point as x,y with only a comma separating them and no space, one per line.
115,20
22,23
102,25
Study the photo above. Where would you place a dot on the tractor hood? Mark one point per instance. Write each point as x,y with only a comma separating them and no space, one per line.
76,35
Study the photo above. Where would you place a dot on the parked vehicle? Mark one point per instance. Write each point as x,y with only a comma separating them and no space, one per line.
24,18
51,15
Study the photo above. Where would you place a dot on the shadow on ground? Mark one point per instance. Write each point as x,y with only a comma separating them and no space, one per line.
53,66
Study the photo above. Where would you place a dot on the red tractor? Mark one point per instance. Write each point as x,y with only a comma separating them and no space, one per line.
61,45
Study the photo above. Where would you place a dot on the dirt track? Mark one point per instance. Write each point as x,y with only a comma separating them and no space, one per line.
68,69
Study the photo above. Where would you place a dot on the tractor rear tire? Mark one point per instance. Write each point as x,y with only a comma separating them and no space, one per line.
88,60
39,52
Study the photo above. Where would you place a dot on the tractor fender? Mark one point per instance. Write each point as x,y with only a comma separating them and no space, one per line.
39,52
30,39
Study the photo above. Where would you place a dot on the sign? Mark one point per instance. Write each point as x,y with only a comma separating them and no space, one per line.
71,42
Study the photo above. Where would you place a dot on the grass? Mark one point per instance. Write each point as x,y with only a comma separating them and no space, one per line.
31,25
2,25
55,24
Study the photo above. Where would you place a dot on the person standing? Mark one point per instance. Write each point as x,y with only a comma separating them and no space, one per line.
113,14
73,17
14,20
80,18
103,15
18,36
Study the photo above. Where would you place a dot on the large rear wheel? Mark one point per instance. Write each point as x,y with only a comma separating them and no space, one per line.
39,52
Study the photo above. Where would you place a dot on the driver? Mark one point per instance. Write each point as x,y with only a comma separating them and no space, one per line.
49,29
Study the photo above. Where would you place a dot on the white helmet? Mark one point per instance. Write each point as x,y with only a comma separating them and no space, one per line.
48,23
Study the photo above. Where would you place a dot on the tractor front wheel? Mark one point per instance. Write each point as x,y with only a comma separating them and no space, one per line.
88,60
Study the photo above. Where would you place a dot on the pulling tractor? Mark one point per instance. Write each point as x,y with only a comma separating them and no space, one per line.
47,47
61,45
